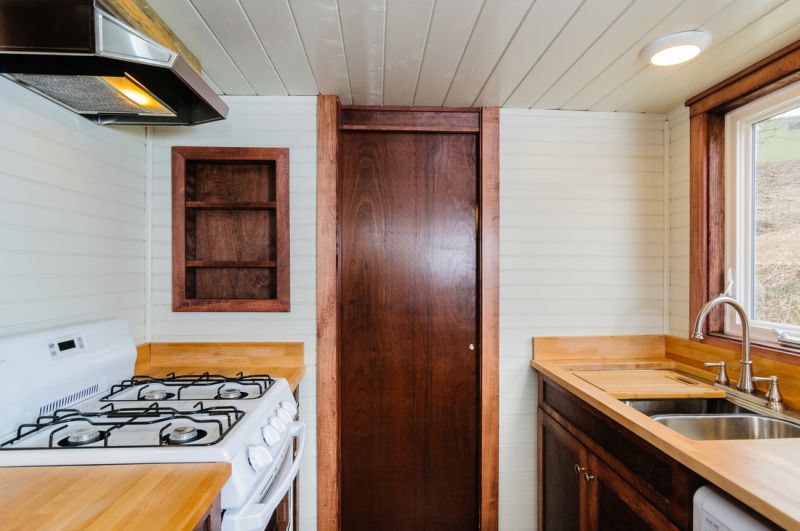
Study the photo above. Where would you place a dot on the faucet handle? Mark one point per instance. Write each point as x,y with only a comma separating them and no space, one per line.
773,396
722,373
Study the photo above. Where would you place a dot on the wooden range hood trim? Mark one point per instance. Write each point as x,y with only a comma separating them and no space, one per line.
139,15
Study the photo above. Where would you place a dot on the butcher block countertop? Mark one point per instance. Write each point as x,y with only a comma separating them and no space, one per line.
153,497
279,360
763,474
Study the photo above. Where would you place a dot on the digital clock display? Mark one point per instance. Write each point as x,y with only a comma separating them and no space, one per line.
66,345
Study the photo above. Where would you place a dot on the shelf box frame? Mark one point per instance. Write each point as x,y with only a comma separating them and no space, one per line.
184,268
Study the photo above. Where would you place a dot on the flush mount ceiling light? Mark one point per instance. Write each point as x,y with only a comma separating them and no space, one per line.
676,48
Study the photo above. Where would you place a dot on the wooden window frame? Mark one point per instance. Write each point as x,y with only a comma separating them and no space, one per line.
707,113
329,122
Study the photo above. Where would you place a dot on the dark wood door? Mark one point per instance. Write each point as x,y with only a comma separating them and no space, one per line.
563,477
408,299
614,505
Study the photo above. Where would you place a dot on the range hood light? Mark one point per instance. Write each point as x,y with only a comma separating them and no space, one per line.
137,94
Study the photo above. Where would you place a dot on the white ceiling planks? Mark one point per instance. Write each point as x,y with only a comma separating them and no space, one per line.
689,15
546,54
724,24
363,28
725,59
612,44
587,25
407,25
495,28
188,25
451,28
235,32
537,31
321,33
274,24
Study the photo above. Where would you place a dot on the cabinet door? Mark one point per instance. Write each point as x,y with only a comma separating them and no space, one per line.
562,487
614,505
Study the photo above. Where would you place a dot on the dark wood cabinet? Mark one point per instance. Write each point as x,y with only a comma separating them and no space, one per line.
562,487
595,475
230,229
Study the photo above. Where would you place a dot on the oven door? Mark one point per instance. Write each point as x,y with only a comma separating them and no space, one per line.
257,511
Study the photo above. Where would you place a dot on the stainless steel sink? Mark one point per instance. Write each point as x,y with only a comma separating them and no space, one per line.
729,426
686,406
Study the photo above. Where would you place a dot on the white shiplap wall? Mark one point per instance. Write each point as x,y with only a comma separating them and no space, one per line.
72,217
253,121
581,253
679,222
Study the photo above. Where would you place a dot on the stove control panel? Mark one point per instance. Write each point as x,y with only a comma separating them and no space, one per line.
66,346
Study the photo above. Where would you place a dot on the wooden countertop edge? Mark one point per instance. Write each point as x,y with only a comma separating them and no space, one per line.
125,499
698,456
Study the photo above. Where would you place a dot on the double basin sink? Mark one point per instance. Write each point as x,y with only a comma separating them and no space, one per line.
706,419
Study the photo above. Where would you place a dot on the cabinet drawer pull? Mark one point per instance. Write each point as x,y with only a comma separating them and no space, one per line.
579,469
587,477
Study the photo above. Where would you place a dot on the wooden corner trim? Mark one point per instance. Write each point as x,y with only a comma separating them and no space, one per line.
327,318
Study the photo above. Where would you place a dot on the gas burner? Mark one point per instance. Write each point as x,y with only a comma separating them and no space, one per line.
82,437
231,392
184,435
157,394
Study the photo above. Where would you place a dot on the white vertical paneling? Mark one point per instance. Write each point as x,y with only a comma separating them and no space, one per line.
321,33
407,25
276,29
689,14
679,222
72,217
541,25
185,21
235,32
589,23
498,23
364,38
581,253
252,121
451,27
611,45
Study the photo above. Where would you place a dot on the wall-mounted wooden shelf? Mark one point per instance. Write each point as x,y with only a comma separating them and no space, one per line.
230,237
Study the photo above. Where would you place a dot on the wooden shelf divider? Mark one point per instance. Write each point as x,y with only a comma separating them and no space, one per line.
231,263
232,205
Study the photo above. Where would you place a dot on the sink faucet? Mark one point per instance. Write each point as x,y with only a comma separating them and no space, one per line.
745,382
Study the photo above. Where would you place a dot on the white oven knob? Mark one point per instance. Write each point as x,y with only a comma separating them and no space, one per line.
271,435
284,415
259,457
288,406
278,424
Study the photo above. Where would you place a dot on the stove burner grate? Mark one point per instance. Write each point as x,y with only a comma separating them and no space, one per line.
100,425
261,383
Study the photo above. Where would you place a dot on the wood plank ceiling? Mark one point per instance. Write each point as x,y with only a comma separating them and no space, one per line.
543,54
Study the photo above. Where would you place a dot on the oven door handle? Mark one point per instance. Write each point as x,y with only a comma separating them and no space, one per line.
257,515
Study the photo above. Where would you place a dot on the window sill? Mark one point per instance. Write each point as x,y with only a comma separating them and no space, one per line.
773,352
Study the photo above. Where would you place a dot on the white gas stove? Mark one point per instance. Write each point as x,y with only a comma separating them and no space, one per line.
69,397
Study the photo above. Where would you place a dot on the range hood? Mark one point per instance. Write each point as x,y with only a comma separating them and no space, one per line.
76,54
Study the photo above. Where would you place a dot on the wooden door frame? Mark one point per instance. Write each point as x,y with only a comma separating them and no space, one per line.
328,437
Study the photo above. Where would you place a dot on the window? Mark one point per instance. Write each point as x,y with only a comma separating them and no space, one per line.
745,204
762,214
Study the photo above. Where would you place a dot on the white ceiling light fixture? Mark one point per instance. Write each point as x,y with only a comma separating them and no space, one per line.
676,48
